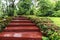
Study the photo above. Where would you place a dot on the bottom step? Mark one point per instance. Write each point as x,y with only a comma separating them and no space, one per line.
11,38
20,36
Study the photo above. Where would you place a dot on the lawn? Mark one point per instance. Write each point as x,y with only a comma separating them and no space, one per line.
56,20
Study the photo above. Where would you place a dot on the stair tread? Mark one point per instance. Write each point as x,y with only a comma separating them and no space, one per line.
21,24
21,34
16,28
21,20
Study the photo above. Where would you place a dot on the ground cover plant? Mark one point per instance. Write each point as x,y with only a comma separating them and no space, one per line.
4,22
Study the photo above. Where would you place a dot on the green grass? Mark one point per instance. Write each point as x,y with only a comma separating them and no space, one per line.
56,20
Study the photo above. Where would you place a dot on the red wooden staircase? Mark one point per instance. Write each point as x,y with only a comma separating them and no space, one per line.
21,28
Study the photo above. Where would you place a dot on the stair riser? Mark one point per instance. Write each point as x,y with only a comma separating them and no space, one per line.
21,22
11,38
21,30
20,19
20,26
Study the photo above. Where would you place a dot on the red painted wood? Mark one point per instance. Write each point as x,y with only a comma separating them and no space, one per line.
21,25
25,24
21,21
20,35
21,28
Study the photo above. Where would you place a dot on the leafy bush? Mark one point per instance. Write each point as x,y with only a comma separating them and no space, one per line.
56,13
4,22
45,38
55,36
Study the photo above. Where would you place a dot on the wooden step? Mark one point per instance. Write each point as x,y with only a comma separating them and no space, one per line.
20,36
21,29
21,24
21,21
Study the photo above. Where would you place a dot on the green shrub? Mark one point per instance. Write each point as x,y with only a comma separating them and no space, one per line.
45,38
2,26
55,36
4,22
56,13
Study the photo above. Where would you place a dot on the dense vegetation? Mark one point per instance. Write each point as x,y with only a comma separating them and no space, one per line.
49,30
45,15
30,7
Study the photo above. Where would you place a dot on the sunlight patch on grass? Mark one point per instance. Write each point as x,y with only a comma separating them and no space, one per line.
56,20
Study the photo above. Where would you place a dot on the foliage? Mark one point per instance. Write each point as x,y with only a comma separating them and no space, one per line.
24,6
38,13
10,12
46,7
30,7
55,36
57,6
4,22
49,30
56,13
45,38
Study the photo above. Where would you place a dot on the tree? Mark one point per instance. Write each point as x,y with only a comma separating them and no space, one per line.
24,6
1,8
10,7
56,13
46,6
57,6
